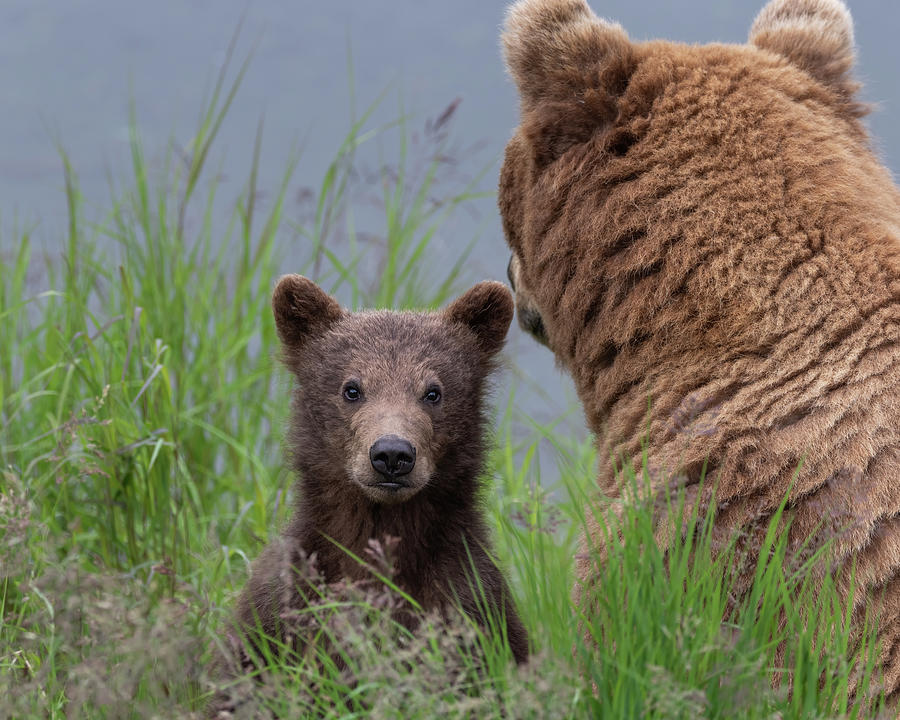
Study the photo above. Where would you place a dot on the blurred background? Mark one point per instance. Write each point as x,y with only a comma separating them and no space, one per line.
70,71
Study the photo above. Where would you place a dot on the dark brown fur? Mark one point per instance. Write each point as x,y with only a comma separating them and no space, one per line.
707,228
393,358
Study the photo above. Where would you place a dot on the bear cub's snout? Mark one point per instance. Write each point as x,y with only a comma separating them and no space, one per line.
392,457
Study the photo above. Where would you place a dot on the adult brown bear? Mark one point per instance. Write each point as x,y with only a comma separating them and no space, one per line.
707,228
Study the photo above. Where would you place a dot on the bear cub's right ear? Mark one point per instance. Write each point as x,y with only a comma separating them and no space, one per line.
302,311
486,310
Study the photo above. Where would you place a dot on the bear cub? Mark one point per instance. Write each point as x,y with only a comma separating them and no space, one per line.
387,439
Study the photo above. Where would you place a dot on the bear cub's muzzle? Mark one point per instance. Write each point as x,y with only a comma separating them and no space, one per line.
392,457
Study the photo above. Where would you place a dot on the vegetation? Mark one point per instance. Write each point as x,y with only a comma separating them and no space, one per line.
141,467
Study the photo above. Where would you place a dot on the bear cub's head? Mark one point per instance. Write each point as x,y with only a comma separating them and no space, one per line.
388,403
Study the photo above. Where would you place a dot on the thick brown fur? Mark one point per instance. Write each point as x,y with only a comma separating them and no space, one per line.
707,229
393,359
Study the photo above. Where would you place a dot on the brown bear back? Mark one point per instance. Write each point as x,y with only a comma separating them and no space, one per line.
713,251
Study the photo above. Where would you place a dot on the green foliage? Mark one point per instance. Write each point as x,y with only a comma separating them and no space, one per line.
140,420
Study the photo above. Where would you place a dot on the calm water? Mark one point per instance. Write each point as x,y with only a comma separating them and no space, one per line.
68,71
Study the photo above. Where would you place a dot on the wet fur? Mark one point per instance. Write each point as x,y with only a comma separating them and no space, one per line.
708,229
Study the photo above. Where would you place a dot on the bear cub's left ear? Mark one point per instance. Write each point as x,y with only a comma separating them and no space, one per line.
302,311
487,310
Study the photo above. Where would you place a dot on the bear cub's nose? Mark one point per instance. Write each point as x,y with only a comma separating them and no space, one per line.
392,456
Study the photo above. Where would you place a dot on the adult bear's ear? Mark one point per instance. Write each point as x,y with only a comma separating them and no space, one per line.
302,311
570,68
815,35
486,310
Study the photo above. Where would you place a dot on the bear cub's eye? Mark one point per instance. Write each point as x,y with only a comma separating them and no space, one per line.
352,392
433,395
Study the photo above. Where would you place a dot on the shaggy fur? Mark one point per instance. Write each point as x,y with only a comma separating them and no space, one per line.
707,229
394,360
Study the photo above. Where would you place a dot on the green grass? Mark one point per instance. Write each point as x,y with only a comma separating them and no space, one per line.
141,465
